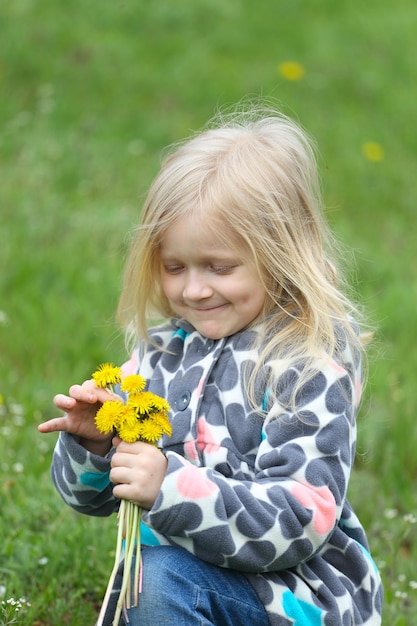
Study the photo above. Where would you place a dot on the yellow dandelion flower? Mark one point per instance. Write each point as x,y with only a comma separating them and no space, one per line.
128,417
107,374
142,402
291,70
150,430
134,384
373,151
108,416
130,432
160,404
163,421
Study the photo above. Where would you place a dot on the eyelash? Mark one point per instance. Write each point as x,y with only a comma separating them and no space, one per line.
225,269
216,269
171,269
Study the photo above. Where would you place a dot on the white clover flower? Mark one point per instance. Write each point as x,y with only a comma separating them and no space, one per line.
16,409
18,420
390,513
410,519
43,445
17,605
402,595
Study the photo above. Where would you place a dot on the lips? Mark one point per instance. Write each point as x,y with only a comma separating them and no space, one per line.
208,309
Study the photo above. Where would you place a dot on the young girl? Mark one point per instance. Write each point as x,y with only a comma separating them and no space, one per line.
245,511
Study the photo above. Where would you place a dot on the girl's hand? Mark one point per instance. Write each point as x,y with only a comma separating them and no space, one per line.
80,408
138,470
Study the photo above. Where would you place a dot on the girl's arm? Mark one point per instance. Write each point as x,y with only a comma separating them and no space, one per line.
81,461
81,478
80,408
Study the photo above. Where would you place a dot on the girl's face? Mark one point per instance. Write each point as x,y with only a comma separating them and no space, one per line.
206,283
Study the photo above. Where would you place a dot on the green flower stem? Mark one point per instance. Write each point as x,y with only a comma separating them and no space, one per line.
148,416
137,562
131,532
122,517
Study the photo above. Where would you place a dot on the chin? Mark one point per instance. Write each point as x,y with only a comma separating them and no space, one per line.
211,333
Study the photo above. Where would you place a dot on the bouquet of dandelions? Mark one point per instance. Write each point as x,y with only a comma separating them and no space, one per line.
143,417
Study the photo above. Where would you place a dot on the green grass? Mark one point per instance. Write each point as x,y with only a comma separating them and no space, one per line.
90,92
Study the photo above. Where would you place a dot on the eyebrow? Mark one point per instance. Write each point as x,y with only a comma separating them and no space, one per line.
206,256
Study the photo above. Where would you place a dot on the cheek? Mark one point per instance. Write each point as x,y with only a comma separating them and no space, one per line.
165,284
259,299
248,294
170,287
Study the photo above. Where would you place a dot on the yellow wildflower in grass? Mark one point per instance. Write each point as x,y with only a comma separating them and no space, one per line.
291,70
106,375
133,384
144,417
373,151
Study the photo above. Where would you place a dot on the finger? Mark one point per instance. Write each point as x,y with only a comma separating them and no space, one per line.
124,459
134,492
125,491
88,392
129,448
54,425
63,402
83,394
120,476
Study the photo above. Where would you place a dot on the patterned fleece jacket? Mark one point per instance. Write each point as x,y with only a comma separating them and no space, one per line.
267,489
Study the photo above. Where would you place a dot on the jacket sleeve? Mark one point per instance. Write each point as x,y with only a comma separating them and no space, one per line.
287,512
81,478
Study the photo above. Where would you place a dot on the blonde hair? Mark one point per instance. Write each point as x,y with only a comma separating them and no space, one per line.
253,174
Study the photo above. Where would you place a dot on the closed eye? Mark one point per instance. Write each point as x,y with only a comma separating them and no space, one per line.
177,268
222,269
173,269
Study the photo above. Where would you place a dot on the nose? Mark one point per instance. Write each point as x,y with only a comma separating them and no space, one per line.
196,287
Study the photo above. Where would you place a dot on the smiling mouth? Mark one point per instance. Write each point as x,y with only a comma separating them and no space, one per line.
208,309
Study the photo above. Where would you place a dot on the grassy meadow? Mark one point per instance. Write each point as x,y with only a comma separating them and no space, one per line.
90,93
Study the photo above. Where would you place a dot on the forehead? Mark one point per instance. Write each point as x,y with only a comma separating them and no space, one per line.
201,234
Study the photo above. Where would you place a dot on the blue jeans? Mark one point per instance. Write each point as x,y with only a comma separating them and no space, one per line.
180,589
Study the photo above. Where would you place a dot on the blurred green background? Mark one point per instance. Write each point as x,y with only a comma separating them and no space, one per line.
90,93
